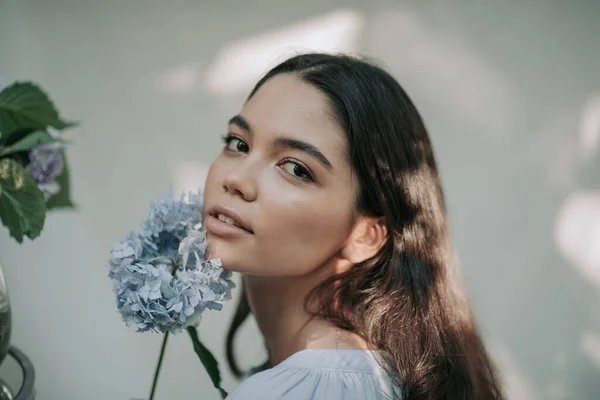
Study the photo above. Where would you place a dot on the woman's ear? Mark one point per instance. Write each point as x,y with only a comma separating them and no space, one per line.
365,240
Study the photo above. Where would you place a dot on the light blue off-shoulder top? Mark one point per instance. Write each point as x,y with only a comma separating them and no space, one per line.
322,374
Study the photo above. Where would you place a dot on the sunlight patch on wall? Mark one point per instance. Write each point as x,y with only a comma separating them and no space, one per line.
181,79
590,346
589,130
577,234
239,65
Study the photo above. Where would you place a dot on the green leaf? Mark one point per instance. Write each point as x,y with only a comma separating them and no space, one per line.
29,141
22,203
208,360
24,105
62,199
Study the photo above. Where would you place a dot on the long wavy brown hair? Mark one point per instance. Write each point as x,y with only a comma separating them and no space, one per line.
408,299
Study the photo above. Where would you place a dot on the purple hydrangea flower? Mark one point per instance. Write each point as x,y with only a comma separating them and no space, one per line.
45,165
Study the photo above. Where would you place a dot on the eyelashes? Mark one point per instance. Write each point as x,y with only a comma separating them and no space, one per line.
292,168
241,146
297,171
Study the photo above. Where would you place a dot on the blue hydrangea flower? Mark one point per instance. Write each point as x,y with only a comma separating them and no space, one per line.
160,290
126,251
45,165
169,221
195,245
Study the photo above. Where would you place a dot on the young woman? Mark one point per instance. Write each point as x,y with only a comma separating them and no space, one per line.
327,199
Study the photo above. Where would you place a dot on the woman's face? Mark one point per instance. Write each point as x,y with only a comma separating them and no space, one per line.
283,174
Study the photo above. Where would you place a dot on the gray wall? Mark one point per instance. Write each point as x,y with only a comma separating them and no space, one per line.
509,90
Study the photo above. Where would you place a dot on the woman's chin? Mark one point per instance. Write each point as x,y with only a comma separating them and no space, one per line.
228,261
214,249
229,254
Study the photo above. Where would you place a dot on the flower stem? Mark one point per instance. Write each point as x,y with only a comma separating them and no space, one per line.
164,344
158,365
174,266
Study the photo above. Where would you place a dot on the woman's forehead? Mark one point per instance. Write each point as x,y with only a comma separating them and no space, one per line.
287,105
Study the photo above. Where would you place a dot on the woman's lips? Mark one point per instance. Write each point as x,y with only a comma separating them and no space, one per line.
223,229
231,214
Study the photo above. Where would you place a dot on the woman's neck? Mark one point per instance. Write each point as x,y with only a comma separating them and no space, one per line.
278,306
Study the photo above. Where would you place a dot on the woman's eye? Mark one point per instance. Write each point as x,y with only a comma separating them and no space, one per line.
297,170
235,144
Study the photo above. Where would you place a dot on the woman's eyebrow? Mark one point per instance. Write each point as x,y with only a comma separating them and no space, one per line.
242,123
285,142
289,143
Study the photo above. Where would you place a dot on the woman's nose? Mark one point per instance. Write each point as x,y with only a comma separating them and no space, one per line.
242,181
